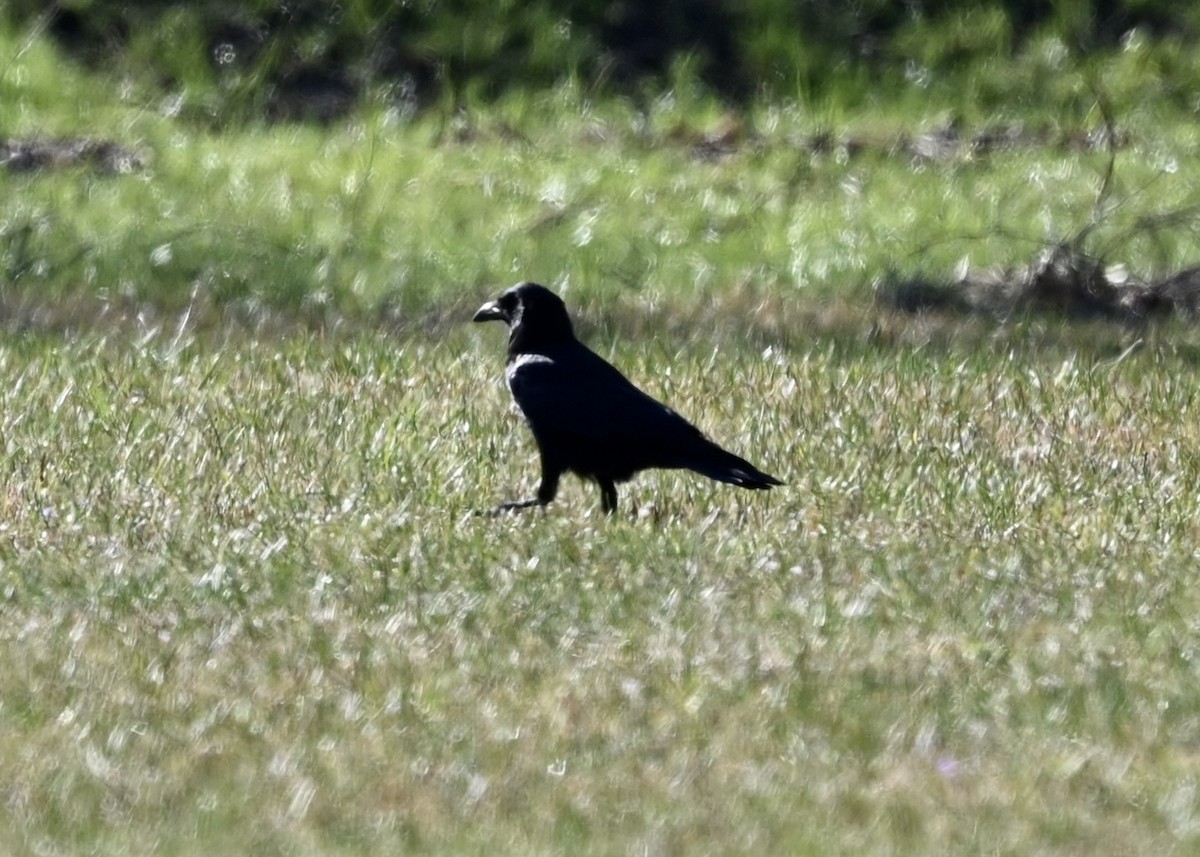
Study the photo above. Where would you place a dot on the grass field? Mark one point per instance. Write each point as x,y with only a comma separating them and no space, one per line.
247,607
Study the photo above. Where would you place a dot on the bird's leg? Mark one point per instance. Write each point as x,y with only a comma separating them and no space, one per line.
519,504
545,494
549,486
608,496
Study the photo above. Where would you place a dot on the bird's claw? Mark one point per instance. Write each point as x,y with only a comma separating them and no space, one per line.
505,508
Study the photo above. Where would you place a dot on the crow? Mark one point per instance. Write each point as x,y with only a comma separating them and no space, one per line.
586,416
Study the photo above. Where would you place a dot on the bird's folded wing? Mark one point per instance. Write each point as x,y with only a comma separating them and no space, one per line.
579,393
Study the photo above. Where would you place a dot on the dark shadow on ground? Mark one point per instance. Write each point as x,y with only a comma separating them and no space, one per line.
1063,282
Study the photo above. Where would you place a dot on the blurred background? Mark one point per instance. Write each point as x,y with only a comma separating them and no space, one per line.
318,60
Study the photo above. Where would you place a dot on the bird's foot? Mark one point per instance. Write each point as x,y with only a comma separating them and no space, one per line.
504,508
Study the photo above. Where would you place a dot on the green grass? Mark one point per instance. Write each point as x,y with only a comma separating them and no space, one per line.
246,604
407,221
247,607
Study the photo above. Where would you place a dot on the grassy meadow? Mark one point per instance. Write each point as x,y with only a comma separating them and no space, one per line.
246,605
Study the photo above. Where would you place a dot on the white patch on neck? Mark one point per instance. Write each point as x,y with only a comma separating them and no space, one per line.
522,359
526,360
514,366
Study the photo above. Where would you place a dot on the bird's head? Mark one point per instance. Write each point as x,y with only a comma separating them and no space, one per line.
535,316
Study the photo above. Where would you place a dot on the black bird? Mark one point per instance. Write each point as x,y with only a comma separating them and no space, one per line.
585,416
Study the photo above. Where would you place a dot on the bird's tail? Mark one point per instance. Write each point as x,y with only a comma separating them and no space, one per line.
724,466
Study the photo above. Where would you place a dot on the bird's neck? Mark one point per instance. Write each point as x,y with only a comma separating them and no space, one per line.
524,340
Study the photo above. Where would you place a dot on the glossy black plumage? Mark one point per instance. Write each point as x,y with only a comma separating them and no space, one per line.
585,415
